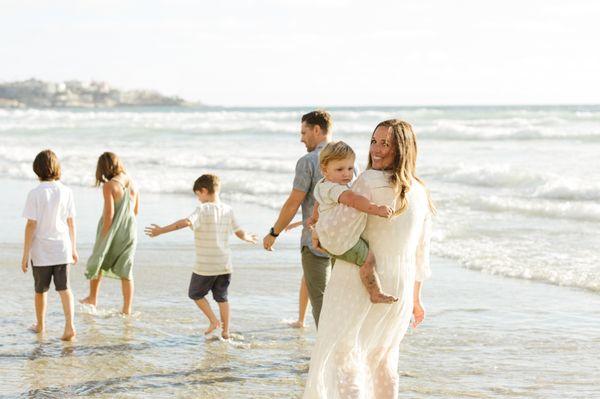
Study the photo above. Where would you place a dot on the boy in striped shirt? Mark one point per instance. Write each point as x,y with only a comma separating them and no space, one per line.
212,223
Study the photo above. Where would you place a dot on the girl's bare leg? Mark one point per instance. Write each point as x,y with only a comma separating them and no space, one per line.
92,298
127,286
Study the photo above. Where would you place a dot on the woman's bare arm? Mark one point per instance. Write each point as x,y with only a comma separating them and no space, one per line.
108,212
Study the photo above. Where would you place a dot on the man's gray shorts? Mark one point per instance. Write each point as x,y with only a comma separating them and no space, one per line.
43,275
201,285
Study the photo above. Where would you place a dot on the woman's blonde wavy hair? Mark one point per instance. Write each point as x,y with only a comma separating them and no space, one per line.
405,161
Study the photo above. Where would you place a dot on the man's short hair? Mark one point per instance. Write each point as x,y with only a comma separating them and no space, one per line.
320,118
46,166
211,183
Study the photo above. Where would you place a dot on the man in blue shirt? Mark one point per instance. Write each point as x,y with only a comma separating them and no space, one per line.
315,133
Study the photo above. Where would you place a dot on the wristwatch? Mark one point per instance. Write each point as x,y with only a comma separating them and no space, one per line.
272,233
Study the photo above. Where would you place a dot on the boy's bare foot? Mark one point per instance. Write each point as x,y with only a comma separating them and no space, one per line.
87,301
297,324
225,334
69,334
212,327
34,328
380,297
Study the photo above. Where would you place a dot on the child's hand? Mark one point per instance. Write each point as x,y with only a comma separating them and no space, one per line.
314,238
385,211
251,238
153,230
75,256
24,264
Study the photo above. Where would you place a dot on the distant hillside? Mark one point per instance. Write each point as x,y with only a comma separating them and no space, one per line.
39,94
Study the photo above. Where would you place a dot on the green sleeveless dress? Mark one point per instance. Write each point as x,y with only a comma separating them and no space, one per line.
113,254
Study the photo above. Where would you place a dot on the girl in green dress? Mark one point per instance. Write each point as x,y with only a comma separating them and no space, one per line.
116,236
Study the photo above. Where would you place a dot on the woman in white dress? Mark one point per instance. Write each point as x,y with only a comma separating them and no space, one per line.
357,349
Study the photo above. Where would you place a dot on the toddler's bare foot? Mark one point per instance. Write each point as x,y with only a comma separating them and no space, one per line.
225,334
212,327
69,334
297,324
87,301
380,297
36,329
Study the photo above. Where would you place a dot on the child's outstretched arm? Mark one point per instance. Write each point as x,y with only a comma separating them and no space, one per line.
362,204
244,236
29,230
293,226
155,230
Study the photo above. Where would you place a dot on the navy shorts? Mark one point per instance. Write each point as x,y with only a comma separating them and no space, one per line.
43,275
201,285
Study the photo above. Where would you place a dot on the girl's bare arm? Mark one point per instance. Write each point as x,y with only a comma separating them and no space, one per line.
108,212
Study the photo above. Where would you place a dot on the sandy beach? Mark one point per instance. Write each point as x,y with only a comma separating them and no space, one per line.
485,336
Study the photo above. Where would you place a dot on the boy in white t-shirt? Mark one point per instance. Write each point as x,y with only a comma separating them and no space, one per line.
50,239
340,216
212,223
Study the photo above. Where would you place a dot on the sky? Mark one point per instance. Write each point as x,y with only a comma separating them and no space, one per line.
310,53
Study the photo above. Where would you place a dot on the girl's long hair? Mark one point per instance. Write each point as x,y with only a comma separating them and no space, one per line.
109,165
405,161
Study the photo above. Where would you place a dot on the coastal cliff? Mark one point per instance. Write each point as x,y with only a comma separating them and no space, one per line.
35,93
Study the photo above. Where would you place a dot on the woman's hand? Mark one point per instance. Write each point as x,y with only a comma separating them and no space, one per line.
418,314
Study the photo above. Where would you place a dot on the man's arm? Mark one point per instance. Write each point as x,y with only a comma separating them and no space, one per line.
155,230
362,204
287,213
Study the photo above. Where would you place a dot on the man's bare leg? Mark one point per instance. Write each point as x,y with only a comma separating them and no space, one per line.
302,305
212,319
224,311
370,280
92,298
127,287
66,297
40,313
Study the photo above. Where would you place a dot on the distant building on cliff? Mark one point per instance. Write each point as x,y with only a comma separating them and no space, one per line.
75,94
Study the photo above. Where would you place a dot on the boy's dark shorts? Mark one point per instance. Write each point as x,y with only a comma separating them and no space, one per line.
200,285
42,275
357,254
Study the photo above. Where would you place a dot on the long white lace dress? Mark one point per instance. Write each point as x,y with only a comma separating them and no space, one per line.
357,349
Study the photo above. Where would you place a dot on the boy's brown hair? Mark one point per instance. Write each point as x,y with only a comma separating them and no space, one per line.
334,151
318,117
211,183
109,165
46,166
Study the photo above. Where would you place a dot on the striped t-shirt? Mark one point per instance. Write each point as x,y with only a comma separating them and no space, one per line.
213,223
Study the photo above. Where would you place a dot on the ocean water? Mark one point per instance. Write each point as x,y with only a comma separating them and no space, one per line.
514,304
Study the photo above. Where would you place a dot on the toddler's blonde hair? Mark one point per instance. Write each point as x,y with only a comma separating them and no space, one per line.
335,151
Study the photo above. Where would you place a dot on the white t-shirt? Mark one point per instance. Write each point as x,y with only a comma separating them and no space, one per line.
50,204
213,223
339,226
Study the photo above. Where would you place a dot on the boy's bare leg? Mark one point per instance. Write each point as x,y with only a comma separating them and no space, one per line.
302,305
66,297
40,313
92,298
212,319
224,311
370,280
127,287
